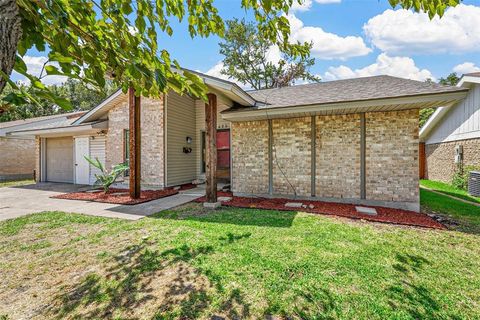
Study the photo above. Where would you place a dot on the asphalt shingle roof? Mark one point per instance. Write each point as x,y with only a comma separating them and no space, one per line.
368,88
14,123
473,74
60,123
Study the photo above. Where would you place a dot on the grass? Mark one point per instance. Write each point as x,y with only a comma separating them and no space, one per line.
16,183
448,189
235,263
465,214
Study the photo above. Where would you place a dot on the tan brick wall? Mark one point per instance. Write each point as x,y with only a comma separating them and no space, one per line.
338,156
292,156
441,158
152,148
17,156
249,149
392,156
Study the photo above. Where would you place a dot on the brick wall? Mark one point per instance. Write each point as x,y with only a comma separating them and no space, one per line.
17,157
338,156
441,158
392,156
249,147
152,148
292,150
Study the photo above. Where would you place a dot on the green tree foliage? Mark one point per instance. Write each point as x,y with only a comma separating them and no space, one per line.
91,40
451,80
81,96
116,39
432,7
246,59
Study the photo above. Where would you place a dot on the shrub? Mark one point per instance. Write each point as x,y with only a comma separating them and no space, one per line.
460,177
106,179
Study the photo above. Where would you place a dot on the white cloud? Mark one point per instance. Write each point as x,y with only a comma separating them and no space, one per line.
403,67
215,72
34,67
466,67
327,45
307,4
406,32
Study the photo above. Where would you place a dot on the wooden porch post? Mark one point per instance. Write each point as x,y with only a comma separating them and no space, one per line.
135,143
211,150
422,160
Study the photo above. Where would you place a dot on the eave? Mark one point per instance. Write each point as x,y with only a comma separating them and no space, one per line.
386,104
86,128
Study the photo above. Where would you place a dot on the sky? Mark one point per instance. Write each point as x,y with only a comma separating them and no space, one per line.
351,38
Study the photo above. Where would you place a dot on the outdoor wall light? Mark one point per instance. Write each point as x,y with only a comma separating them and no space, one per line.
189,140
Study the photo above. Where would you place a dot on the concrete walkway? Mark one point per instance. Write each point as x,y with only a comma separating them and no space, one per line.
23,200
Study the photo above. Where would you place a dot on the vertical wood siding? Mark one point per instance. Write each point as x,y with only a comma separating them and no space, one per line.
461,122
180,121
97,151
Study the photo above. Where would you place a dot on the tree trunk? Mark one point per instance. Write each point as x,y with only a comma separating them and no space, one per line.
10,34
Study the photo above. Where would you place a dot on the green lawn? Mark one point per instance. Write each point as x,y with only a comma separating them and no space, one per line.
448,189
16,183
467,215
235,263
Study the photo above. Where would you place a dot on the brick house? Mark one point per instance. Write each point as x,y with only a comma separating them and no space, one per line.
451,136
350,141
17,153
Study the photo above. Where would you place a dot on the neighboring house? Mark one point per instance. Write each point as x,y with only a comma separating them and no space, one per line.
451,135
350,141
17,153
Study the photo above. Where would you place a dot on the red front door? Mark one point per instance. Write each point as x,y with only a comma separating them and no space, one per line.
223,155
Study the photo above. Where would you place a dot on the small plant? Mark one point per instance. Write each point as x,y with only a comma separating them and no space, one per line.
106,179
460,176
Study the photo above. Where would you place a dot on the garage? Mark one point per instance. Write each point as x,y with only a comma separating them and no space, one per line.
59,159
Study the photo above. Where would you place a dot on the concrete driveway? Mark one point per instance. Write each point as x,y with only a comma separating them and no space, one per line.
23,200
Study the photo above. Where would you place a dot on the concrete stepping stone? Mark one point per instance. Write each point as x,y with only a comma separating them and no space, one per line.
293,204
365,210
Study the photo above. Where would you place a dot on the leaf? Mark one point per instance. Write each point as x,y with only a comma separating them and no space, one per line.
63,103
56,56
52,70
20,65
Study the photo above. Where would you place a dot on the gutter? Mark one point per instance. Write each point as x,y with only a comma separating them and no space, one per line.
242,113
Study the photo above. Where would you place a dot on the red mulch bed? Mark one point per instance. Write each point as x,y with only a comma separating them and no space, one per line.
386,215
117,196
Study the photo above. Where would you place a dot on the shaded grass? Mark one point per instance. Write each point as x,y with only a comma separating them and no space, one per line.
448,189
237,263
466,214
16,183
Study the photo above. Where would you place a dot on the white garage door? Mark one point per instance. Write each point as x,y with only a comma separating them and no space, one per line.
59,159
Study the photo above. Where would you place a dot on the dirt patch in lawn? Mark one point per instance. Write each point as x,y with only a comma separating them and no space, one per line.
385,215
117,196
90,272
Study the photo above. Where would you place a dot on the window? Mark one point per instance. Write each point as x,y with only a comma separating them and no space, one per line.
126,149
